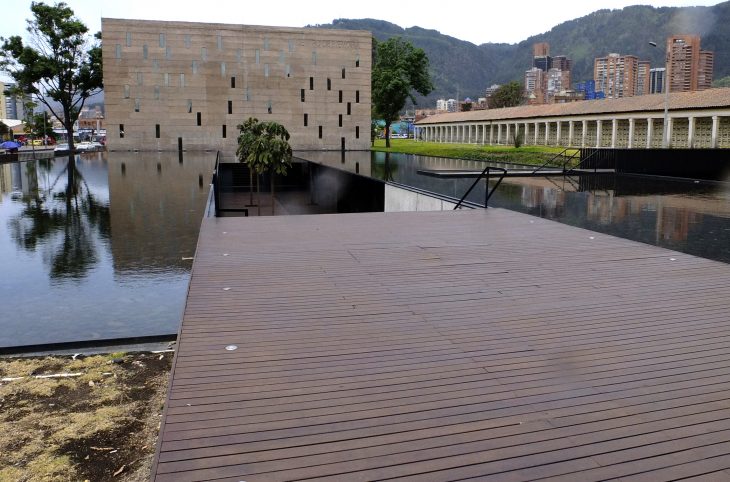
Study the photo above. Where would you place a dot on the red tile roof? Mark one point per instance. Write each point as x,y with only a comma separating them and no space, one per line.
705,99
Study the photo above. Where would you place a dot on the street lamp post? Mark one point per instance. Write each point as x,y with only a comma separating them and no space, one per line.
665,84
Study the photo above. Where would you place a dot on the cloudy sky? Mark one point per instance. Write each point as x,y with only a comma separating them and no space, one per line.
476,21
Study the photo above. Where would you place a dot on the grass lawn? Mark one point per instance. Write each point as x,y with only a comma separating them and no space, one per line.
534,155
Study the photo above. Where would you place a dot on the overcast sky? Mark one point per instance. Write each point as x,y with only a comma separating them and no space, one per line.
476,21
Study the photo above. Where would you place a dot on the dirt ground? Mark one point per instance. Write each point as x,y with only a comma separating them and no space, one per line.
99,424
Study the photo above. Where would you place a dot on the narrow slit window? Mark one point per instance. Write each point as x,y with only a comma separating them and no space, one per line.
157,92
190,106
129,39
230,107
268,107
239,55
118,51
248,94
168,53
329,83
314,58
219,41
311,83
223,69
258,56
266,70
301,93
320,132
340,97
357,132
281,57
291,46
121,131
357,61
136,105
186,41
140,78
233,82
145,51
288,70
349,108
166,77
162,40
223,132
343,72
182,80
357,96
203,54
266,43
194,66
157,131
340,120
126,91
200,119
306,120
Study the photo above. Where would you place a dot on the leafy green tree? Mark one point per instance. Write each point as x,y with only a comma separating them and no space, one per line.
508,95
60,65
398,69
724,82
264,146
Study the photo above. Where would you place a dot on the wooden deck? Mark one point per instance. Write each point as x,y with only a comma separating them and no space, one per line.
446,346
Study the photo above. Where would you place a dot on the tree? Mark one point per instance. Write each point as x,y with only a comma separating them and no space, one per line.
508,95
264,146
60,66
398,69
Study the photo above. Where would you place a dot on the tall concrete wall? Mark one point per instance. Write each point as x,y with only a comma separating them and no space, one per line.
169,80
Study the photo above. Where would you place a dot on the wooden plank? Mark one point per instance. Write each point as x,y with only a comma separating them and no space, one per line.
445,345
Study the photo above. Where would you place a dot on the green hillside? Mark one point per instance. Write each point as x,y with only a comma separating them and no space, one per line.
470,68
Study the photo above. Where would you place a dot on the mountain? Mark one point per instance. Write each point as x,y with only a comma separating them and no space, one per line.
469,68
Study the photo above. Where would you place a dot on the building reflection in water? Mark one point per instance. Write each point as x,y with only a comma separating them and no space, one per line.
94,250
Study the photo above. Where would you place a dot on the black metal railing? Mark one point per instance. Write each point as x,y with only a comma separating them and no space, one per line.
487,192
595,158
563,153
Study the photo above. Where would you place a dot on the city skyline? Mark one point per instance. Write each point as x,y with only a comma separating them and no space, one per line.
505,22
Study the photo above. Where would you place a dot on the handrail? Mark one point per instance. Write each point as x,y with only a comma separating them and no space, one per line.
581,162
561,153
487,193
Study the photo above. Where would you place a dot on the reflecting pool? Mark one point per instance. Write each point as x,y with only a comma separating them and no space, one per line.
101,248
688,216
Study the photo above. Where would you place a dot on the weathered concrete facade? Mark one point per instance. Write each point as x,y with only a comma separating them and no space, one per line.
171,82
695,120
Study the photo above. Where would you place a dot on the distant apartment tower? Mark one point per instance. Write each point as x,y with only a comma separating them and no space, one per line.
535,83
656,80
688,67
642,77
616,75
452,105
492,89
12,105
441,105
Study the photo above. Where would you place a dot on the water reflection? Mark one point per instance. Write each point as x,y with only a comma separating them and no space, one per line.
100,247
687,216
62,217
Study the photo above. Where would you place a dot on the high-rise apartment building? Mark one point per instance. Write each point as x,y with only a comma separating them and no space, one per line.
656,80
688,67
642,77
616,75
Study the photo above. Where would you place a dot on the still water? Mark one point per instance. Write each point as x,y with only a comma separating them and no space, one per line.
687,216
102,253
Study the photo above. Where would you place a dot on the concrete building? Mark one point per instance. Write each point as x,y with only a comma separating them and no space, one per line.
616,75
535,84
178,83
656,80
695,120
643,77
688,67
441,105
12,104
452,105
